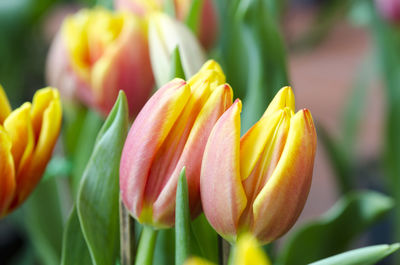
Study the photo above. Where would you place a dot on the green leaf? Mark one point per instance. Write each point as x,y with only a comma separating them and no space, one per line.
165,245
80,128
206,237
193,17
44,220
74,250
84,144
176,67
182,221
98,196
361,256
335,230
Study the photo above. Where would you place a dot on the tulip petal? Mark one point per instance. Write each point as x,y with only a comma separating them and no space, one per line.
284,98
7,173
74,30
277,131
5,108
41,101
252,144
192,154
59,72
46,116
165,34
124,66
210,71
19,127
222,194
168,155
145,137
290,182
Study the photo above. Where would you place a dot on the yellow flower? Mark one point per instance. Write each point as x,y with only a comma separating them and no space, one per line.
259,182
27,138
246,252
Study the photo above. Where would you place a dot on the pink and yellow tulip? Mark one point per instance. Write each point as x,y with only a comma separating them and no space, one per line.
208,24
99,52
258,183
170,133
27,138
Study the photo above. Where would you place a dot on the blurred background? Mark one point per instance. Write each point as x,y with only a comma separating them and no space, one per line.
338,57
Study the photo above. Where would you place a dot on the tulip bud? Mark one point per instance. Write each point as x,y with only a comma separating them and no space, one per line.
97,53
390,10
208,21
27,138
170,133
165,34
260,182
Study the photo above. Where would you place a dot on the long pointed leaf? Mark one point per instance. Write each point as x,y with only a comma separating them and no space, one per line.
74,249
98,196
361,256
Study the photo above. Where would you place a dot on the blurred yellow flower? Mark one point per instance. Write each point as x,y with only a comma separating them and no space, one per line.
246,252
99,52
27,138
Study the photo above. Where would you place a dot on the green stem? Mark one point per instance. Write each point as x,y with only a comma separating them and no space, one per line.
146,246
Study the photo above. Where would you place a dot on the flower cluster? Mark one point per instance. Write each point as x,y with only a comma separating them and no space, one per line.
256,183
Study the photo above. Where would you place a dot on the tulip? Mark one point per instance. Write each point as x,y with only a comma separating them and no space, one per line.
27,138
97,53
258,183
390,9
246,252
208,24
170,133
165,34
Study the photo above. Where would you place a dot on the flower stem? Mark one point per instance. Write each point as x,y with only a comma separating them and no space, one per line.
146,246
